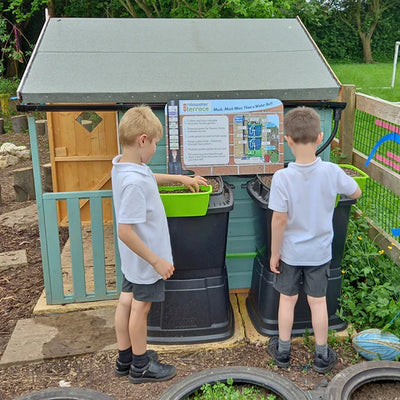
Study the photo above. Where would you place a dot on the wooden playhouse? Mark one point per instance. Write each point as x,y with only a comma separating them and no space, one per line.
84,73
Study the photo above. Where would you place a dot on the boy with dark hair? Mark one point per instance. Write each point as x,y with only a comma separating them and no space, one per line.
303,199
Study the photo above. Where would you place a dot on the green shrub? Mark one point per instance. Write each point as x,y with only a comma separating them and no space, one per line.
228,391
371,282
9,86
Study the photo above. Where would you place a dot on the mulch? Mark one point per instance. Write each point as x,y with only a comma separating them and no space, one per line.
20,289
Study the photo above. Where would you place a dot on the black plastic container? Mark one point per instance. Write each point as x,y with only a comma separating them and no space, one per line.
197,307
262,303
199,243
259,192
194,311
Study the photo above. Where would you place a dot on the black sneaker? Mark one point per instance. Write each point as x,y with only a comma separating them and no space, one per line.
154,371
282,360
323,365
122,369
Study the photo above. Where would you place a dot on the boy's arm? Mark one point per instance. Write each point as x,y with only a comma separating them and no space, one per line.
191,182
278,226
133,241
356,194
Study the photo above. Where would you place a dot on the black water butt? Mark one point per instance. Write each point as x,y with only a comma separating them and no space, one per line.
263,299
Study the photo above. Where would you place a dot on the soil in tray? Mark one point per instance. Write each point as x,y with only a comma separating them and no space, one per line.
214,182
351,172
266,179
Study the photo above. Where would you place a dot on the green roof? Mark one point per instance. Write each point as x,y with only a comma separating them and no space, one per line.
90,60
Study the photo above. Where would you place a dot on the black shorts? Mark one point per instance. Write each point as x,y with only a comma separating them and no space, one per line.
153,292
314,278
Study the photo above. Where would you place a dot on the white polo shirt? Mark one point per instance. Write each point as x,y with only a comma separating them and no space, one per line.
307,192
137,202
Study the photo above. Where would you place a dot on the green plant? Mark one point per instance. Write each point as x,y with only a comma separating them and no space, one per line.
333,340
370,290
307,338
9,86
337,156
228,391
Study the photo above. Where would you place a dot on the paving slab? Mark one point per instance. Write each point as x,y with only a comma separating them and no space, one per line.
81,332
92,330
13,259
23,216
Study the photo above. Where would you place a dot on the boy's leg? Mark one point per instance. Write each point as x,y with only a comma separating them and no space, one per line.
286,316
287,283
121,320
145,368
319,319
315,285
138,326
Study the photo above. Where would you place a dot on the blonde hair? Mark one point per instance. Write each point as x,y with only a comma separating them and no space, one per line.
138,121
303,125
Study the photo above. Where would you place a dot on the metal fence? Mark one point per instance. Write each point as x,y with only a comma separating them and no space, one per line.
379,140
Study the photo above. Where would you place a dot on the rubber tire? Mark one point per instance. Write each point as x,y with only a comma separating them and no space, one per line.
348,380
66,394
256,376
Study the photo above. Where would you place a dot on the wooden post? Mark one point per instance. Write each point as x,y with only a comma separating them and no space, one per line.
24,187
346,132
41,126
1,126
47,179
19,123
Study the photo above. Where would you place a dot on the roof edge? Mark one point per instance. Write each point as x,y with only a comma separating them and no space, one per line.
318,50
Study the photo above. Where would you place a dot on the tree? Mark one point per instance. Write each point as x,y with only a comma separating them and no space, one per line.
363,16
15,18
205,8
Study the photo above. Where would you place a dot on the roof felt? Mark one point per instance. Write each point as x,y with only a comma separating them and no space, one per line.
90,60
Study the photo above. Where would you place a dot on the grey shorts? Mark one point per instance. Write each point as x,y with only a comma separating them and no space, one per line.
154,292
314,279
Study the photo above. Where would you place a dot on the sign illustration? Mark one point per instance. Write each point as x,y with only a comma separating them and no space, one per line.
225,137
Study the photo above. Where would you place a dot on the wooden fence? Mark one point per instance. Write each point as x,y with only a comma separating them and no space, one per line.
384,110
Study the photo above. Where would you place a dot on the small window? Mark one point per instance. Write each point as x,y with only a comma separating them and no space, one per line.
89,120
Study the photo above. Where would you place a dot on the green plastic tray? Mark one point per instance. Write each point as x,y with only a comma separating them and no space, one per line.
362,179
185,204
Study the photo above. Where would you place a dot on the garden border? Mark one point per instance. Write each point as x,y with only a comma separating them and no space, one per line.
256,376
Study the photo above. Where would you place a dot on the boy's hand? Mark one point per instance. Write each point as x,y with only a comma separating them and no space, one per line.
164,268
274,263
193,182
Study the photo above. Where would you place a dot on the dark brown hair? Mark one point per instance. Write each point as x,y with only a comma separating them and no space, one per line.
303,125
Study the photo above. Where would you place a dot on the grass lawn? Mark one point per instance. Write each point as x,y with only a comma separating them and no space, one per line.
372,79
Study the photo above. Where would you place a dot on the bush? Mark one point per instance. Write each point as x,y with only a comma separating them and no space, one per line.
370,288
9,86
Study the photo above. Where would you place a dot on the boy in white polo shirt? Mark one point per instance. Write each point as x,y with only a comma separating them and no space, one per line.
143,242
303,199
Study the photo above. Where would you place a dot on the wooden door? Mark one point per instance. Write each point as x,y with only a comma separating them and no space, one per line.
82,146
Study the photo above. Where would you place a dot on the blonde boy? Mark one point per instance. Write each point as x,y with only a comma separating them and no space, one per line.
143,241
